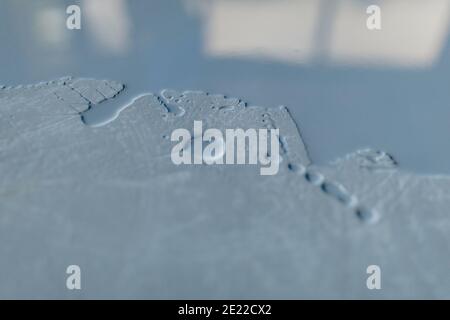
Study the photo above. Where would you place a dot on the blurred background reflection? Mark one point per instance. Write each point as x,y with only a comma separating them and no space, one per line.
413,32
109,24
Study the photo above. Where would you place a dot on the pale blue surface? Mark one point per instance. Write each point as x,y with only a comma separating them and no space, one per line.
339,108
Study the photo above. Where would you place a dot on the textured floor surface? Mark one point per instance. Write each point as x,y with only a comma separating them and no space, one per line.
109,199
